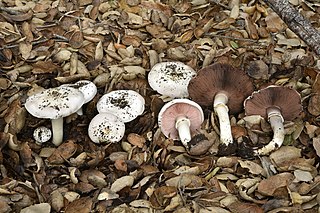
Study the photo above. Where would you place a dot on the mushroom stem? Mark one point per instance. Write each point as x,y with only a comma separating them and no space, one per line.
57,131
221,109
276,121
80,111
183,127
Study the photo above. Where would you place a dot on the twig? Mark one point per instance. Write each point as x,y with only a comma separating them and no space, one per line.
230,37
17,45
297,23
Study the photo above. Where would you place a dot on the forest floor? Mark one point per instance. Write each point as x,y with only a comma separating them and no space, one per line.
47,43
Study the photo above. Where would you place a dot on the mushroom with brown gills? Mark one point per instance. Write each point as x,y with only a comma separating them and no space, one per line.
225,87
277,104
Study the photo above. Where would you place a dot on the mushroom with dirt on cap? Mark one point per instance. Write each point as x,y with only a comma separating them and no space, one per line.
277,104
125,104
88,89
55,103
106,127
225,87
179,118
42,134
171,78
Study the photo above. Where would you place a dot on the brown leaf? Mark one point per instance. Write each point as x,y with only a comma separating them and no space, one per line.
83,205
185,37
63,152
316,145
274,183
314,105
25,49
15,116
166,9
18,17
185,180
41,67
241,207
76,39
121,165
26,155
162,195
274,23
136,140
26,30
84,187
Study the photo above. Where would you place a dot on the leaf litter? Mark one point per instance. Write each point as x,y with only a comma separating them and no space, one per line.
47,43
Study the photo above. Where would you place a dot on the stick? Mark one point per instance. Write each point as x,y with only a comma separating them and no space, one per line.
297,23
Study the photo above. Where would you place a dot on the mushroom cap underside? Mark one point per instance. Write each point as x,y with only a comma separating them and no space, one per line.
287,100
220,77
179,108
54,103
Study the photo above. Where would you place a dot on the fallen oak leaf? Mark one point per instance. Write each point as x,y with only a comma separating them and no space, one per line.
63,152
18,17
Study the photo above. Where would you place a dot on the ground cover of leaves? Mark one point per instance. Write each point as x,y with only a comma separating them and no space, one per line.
47,43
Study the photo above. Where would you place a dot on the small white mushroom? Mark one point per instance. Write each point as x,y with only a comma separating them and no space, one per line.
42,134
55,103
125,104
106,127
171,78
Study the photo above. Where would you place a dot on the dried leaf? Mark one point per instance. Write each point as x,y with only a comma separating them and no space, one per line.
37,208
121,183
83,204
63,152
17,17
270,185
25,49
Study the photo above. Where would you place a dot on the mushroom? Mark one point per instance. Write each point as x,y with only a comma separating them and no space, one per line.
88,89
277,104
106,127
125,104
179,118
225,87
55,103
171,78
42,134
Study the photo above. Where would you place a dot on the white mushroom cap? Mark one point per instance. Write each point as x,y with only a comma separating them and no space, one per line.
88,89
55,102
106,127
125,104
42,134
171,78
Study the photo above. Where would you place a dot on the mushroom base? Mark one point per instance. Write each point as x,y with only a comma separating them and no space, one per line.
276,122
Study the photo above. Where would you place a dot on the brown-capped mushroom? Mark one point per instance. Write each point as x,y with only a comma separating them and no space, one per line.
277,104
225,87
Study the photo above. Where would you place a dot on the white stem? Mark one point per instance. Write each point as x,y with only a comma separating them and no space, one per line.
276,122
221,109
57,131
183,127
80,111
